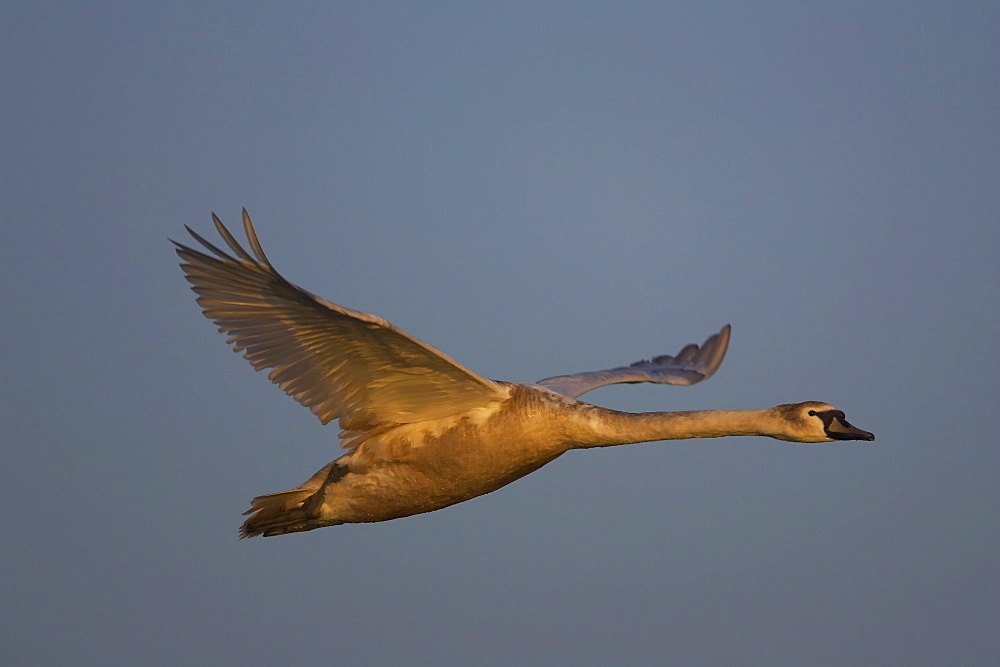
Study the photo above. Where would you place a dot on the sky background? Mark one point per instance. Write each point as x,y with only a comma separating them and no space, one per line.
536,189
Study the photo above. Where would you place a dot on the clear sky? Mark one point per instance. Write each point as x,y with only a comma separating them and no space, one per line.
534,188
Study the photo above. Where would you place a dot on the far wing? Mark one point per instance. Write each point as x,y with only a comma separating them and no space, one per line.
337,362
690,365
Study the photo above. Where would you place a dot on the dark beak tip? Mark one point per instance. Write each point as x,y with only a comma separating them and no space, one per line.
848,432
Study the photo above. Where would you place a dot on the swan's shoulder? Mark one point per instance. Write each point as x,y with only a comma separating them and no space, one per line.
539,392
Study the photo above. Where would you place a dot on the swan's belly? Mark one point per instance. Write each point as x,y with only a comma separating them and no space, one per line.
411,476
425,466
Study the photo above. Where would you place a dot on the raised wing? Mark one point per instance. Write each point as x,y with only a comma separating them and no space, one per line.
337,362
690,365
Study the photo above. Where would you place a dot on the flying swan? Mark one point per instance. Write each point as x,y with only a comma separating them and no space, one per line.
421,431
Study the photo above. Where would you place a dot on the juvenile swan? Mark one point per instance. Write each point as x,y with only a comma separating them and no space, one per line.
421,431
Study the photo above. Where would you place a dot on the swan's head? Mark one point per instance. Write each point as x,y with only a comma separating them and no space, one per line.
813,421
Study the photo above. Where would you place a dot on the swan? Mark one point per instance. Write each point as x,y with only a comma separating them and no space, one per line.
421,431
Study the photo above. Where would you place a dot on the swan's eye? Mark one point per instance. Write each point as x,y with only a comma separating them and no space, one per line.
812,413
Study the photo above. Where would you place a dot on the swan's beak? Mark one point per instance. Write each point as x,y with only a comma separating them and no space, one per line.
841,429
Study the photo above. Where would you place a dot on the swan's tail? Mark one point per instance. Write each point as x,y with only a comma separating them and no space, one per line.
278,513
291,511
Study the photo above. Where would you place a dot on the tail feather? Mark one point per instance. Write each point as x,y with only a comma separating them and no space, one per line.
291,511
276,513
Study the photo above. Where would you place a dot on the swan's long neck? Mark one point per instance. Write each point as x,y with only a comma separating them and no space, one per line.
598,427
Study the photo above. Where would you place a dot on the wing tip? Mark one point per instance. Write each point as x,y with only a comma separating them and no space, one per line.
714,351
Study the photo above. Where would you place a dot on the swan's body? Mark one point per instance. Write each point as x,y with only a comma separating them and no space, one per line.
423,432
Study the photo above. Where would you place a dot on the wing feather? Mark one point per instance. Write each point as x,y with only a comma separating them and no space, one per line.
689,366
340,363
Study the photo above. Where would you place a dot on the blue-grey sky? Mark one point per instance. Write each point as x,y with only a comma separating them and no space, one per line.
536,189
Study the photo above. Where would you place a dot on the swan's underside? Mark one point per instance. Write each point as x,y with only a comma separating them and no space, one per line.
422,431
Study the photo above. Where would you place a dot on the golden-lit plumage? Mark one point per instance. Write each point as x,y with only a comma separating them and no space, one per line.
422,431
